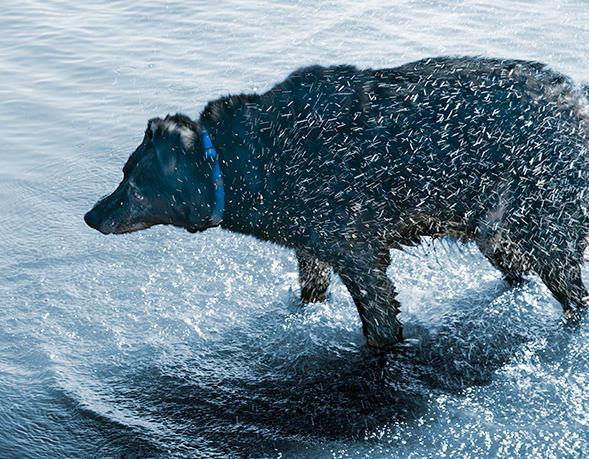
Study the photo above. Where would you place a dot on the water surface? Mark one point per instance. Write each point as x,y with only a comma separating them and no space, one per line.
165,344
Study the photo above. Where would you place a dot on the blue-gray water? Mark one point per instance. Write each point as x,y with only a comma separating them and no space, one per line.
165,344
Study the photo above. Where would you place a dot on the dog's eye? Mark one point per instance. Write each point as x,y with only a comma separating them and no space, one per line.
138,196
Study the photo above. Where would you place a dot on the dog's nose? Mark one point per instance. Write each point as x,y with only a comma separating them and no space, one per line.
92,219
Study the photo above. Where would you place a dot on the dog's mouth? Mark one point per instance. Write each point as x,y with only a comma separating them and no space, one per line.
113,227
130,229
196,229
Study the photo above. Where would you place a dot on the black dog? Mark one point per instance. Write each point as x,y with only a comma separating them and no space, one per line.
342,164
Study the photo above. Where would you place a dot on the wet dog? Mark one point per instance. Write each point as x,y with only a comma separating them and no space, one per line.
343,164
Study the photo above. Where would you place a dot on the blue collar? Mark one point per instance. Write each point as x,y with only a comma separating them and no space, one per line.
211,153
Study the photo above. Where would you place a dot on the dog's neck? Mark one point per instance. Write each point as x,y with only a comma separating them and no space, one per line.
244,200
219,206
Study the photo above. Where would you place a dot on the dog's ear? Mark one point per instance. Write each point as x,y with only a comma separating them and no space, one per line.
163,141
171,138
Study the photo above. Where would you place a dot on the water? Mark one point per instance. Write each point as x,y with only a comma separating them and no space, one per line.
165,344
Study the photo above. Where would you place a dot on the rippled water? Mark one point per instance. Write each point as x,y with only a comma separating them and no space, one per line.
165,344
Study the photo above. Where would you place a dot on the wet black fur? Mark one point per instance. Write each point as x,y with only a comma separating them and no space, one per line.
342,164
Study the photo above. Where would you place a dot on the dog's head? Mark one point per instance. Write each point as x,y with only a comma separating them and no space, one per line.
167,180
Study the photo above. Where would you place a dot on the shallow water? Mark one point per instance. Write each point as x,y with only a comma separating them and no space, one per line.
166,344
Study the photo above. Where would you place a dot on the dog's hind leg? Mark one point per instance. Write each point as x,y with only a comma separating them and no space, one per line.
563,279
313,277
